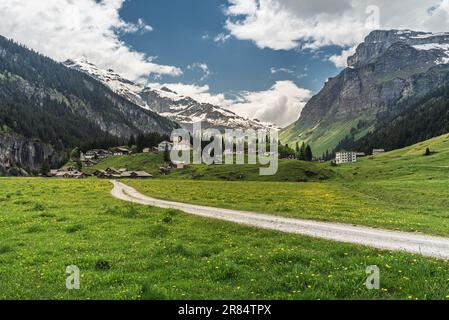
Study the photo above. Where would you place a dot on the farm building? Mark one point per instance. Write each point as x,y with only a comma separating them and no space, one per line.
378,151
121,152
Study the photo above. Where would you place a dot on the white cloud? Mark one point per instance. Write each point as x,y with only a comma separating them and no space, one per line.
289,24
281,104
200,67
279,70
64,29
222,38
341,61
288,71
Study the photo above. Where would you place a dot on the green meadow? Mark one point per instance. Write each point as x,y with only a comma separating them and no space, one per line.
127,251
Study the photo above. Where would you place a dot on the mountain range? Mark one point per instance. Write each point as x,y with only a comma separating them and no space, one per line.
47,108
167,103
394,92
390,70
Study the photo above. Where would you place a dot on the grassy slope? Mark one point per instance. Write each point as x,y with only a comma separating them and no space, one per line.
127,251
399,190
404,164
151,162
320,139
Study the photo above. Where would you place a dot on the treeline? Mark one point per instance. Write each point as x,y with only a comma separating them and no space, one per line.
303,152
405,125
143,141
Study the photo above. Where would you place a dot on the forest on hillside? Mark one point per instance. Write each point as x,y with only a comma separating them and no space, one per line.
409,123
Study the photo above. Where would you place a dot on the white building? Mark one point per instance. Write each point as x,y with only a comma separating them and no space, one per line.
165,145
378,151
346,157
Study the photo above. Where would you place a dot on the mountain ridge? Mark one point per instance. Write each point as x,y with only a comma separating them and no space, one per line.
47,108
387,68
166,102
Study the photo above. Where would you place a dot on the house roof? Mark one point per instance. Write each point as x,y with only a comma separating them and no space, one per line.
141,174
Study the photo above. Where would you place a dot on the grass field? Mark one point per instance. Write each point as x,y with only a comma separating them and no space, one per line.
134,252
402,190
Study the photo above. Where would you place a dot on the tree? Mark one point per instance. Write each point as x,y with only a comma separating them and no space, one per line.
428,152
140,143
75,155
297,147
131,141
133,149
79,165
302,152
45,168
167,154
308,155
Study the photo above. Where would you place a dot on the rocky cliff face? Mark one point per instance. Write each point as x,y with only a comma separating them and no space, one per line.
19,156
388,68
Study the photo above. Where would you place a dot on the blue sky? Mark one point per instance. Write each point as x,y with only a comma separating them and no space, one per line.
276,53
184,33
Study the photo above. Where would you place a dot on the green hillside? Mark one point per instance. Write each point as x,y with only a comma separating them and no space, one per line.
408,163
289,170
321,139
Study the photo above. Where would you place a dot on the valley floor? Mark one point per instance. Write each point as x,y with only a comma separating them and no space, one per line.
437,247
127,251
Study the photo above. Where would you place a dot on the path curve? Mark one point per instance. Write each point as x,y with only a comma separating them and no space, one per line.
436,247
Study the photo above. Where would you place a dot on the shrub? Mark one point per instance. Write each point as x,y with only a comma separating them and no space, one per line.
74,228
102,265
5,249
151,292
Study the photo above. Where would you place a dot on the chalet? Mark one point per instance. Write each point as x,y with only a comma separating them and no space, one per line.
121,152
136,175
378,151
112,171
89,163
99,173
72,174
345,157
165,145
96,154
360,154
180,166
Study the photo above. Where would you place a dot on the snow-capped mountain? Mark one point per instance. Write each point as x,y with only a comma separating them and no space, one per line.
166,102
435,45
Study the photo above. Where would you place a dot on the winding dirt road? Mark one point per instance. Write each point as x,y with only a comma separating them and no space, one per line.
376,238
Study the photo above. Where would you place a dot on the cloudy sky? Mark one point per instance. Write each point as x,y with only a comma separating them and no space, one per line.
261,58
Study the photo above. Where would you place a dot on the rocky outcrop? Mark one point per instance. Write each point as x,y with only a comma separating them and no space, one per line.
20,156
388,68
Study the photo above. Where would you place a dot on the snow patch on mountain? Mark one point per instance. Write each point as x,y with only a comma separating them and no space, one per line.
167,102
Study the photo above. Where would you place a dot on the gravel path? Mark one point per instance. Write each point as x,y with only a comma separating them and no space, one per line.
377,238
